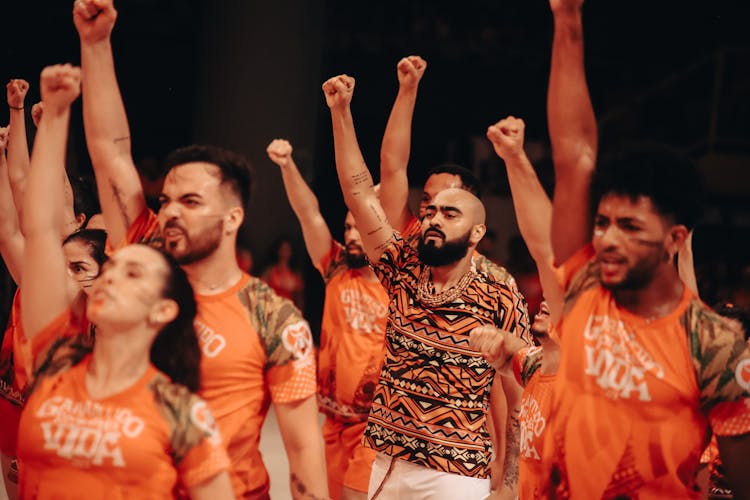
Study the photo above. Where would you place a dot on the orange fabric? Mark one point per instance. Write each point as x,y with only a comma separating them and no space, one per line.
348,462
633,397
257,349
351,341
121,446
11,393
534,418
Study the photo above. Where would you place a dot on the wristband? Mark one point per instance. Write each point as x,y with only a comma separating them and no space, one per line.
17,108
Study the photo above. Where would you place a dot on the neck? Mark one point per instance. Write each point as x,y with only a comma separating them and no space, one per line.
658,298
214,274
447,276
119,360
366,273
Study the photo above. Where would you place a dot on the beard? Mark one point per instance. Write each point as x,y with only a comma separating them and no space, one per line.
198,247
641,273
449,253
356,260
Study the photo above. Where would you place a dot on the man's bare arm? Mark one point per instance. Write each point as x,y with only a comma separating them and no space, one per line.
11,239
573,132
105,121
532,205
303,441
396,147
303,201
354,177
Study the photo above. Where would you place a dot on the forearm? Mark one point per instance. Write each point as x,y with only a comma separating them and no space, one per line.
303,201
18,156
512,433
11,240
307,473
573,134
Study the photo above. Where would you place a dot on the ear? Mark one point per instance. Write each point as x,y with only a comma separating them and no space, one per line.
233,219
477,233
676,239
80,220
163,311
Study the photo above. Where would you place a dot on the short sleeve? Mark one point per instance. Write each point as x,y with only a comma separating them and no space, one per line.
195,442
526,362
145,229
396,257
333,261
722,363
286,336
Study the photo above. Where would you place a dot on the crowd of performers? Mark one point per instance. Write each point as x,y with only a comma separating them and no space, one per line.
140,360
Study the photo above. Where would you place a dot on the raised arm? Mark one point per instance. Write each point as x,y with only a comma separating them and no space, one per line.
11,240
394,152
572,130
105,122
45,279
18,147
354,177
303,201
533,207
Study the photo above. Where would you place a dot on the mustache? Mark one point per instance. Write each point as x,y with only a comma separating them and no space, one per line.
435,231
173,224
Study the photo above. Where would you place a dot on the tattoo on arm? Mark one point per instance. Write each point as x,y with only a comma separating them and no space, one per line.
381,247
362,177
120,139
300,490
121,204
510,474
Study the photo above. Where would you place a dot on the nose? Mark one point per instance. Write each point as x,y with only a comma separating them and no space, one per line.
608,236
169,210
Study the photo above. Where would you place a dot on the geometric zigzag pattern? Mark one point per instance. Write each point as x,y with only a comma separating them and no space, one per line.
431,401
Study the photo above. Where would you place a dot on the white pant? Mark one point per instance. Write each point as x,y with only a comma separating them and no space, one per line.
395,479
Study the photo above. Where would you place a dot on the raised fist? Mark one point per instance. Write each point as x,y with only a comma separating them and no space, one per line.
17,92
279,151
60,85
496,346
3,139
410,70
94,19
36,112
338,91
507,137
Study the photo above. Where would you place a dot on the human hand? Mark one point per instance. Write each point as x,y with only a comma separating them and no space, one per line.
507,137
94,19
280,152
410,70
16,90
59,85
496,346
36,112
3,140
339,91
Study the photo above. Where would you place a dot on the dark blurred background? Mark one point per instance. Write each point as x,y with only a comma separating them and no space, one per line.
238,73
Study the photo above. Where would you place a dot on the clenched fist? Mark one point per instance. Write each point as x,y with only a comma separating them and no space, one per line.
495,345
565,5
94,19
507,137
410,70
37,110
280,152
60,85
17,92
3,139
339,91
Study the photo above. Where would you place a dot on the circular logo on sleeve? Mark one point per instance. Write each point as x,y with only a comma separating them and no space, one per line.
202,418
742,374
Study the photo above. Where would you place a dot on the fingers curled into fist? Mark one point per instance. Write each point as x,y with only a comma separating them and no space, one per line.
36,112
60,85
507,136
3,138
279,151
410,71
16,90
338,91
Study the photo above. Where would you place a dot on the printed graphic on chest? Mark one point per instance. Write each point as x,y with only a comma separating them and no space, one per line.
617,362
87,432
363,312
532,426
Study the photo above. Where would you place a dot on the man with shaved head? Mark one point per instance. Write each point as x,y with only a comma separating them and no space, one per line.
428,420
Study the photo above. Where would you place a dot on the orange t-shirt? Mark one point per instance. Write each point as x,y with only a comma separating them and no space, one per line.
257,349
634,398
534,416
138,443
16,365
351,340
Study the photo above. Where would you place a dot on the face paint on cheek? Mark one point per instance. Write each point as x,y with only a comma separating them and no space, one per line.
646,243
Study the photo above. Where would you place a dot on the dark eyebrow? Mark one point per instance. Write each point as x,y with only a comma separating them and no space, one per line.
79,263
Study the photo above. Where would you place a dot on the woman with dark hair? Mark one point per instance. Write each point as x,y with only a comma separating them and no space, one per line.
115,417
